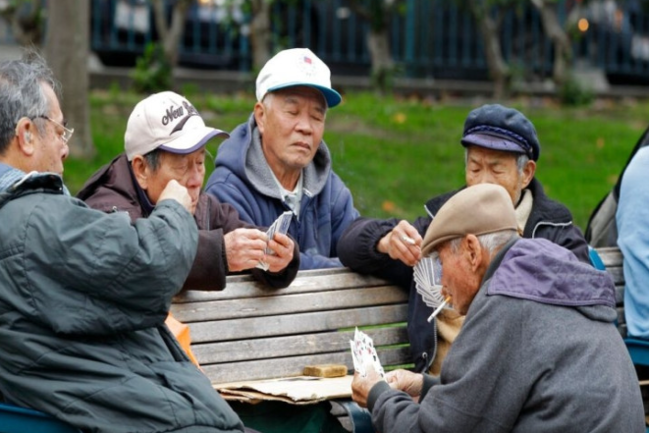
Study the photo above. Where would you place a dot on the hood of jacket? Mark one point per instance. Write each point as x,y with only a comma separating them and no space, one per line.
541,271
251,166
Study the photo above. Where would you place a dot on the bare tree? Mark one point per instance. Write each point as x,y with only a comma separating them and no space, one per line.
489,16
378,13
170,34
557,33
260,32
66,49
27,21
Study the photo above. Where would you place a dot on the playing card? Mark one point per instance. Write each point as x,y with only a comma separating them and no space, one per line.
363,353
280,225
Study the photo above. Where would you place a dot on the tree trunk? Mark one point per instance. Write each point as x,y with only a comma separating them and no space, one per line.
260,34
67,50
559,37
171,35
378,43
498,68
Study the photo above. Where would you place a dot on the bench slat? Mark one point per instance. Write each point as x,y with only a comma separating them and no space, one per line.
238,329
307,281
282,367
287,304
308,344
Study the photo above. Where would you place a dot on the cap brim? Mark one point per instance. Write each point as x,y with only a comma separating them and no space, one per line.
192,140
332,97
492,142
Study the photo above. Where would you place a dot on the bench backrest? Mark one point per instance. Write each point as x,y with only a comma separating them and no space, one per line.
612,258
249,332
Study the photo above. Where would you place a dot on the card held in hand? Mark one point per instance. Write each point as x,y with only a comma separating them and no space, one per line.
364,353
280,225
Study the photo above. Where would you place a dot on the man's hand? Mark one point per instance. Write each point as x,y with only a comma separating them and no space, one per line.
361,386
283,247
406,381
175,191
402,243
244,248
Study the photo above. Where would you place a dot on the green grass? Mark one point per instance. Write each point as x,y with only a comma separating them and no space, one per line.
394,154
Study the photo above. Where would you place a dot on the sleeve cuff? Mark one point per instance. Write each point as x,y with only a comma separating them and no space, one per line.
379,388
429,382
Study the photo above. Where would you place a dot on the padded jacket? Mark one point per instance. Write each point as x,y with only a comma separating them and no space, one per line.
82,308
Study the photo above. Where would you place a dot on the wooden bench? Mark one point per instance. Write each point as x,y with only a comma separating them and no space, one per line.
249,332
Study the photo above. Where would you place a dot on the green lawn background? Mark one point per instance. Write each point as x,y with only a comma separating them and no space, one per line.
396,153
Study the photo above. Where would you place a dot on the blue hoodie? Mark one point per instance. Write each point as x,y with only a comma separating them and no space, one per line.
244,179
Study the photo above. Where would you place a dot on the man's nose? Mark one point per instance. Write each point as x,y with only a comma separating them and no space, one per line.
304,124
196,177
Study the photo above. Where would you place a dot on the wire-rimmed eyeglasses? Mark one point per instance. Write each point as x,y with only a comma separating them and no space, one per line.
67,132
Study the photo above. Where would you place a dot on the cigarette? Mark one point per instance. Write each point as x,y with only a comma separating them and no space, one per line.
407,239
438,309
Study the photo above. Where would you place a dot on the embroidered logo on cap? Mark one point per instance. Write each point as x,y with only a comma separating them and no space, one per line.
173,113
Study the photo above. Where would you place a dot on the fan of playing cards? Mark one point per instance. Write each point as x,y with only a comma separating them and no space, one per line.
428,281
363,353
280,225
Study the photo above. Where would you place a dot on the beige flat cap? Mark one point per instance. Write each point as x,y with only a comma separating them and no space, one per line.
478,210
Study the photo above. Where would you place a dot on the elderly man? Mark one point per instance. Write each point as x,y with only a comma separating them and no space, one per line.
277,161
538,351
165,139
501,147
85,294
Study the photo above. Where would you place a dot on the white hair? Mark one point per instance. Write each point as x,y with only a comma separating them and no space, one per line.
490,241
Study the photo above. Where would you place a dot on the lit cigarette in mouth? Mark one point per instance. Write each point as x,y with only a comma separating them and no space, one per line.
438,309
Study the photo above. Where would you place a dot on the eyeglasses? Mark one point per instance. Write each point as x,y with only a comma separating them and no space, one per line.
67,132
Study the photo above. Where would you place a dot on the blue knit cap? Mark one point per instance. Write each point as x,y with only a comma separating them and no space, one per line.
496,127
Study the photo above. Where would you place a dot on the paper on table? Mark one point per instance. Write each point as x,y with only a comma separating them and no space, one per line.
298,389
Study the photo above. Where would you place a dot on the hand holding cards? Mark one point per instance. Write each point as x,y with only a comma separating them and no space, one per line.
363,353
280,225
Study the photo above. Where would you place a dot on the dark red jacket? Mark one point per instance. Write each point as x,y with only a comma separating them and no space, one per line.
113,189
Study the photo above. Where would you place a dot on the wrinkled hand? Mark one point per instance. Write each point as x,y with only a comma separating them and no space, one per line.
175,191
406,381
283,247
244,248
402,243
361,386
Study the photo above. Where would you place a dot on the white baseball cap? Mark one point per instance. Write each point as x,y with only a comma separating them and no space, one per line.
167,121
296,67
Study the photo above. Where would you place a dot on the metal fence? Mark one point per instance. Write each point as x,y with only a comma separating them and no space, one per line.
428,38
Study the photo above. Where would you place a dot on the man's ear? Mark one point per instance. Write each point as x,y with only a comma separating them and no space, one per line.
528,173
25,130
260,117
141,171
474,251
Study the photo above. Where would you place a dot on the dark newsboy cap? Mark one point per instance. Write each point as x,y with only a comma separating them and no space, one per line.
501,128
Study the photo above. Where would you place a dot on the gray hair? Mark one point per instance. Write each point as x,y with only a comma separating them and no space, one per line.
153,159
521,160
490,241
22,95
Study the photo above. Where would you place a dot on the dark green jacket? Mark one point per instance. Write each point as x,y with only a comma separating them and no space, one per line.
83,299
